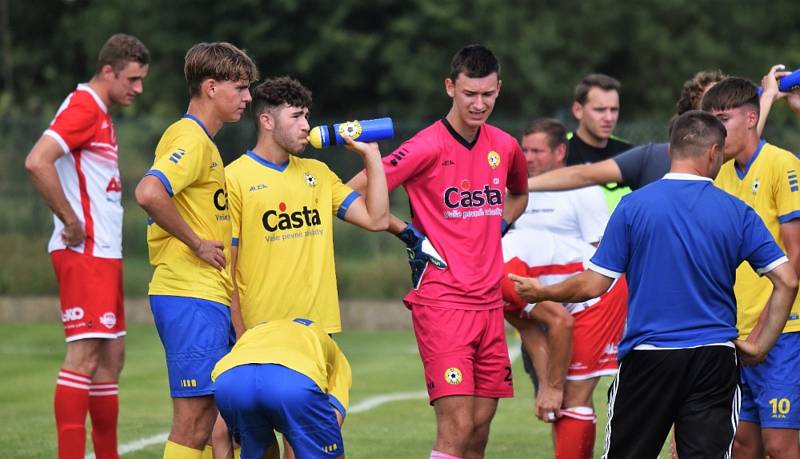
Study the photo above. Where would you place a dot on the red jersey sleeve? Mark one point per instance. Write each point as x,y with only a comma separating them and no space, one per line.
76,124
413,158
517,179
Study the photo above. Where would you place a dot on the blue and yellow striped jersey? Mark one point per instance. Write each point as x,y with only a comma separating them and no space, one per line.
282,220
768,184
190,167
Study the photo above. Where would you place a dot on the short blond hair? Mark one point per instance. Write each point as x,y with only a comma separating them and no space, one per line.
219,61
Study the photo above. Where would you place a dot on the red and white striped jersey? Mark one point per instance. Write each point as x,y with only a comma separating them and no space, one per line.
551,258
89,172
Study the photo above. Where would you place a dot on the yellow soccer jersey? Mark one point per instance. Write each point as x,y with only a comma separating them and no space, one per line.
189,165
298,344
282,224
769,184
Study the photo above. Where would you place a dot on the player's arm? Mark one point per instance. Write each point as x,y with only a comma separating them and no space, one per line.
153,197
578,288
559,324
514,206
769,94
236,307
371,211
790,236
578,176
548,399
784,290
40,164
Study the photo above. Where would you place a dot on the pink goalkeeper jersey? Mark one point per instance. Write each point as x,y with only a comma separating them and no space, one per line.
456,192
89,173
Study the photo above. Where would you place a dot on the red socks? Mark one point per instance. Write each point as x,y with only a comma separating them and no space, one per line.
75,396
71,406
104,410
574,433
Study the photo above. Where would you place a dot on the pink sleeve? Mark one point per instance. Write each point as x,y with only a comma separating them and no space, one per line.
517,179
411,159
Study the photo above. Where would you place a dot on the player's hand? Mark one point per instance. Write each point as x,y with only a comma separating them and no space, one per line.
528,288
361,148
73,235
420,252
211,252
548,403
769,83
750,352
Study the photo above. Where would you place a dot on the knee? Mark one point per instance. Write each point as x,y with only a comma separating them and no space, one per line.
458,429
781,446
564,321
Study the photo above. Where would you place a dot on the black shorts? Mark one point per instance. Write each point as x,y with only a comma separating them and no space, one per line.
695,389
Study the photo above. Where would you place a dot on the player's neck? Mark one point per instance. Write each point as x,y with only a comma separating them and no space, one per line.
203,110
688,166
467,132
267,149
101,90
743,157
590,139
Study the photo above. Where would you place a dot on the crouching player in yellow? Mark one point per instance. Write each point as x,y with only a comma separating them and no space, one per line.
286,375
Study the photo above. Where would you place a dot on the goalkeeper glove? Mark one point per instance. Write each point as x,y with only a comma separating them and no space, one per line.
420,252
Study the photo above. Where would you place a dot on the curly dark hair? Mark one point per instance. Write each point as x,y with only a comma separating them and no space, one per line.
274,92
694,88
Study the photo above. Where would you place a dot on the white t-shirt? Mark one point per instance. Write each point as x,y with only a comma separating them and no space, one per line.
580,213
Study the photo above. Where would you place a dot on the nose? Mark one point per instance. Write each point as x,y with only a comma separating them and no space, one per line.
138,87
247,97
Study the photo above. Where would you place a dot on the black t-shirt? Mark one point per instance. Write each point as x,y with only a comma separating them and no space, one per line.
579,152
643,164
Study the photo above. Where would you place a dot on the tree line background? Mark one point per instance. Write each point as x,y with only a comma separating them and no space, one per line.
362,59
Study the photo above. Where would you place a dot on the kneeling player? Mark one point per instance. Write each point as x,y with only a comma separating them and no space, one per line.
289,376
596,328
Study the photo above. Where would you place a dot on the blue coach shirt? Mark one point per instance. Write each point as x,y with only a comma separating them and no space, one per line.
680,240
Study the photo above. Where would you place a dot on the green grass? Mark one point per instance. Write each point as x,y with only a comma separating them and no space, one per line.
383,362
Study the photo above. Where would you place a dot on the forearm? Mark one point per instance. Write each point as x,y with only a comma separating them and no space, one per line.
777,311
396,225
153,198
565,178
765,102
377,193
45,179
575,289
514,206
236,309
559,342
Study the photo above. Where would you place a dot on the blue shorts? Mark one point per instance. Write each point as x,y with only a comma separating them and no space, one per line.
256,399
771,390
196,333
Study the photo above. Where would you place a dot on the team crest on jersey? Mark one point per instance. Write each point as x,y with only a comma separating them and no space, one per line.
756,184
310,180
494,159
453,376
108,319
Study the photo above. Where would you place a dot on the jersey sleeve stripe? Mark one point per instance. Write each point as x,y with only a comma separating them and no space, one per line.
789,217
57,137
235,242
604,271
162,178
773,265
338,405
346,204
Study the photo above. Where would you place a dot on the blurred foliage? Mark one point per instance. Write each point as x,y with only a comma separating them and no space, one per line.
362,59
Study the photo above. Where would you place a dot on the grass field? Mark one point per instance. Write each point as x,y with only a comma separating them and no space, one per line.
384,362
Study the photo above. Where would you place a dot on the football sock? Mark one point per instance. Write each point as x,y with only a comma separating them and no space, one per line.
173,450
71,405
440,455
104,411
574,433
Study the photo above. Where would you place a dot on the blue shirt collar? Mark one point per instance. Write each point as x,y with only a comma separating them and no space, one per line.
742,173
267,163
199,123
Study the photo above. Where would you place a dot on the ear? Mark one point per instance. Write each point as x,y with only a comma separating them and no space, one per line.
107,72
577,111
209,87
499,85
561,152
450,87
266,121
752,119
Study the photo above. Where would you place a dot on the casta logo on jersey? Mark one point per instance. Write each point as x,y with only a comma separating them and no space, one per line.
281,219
465,196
